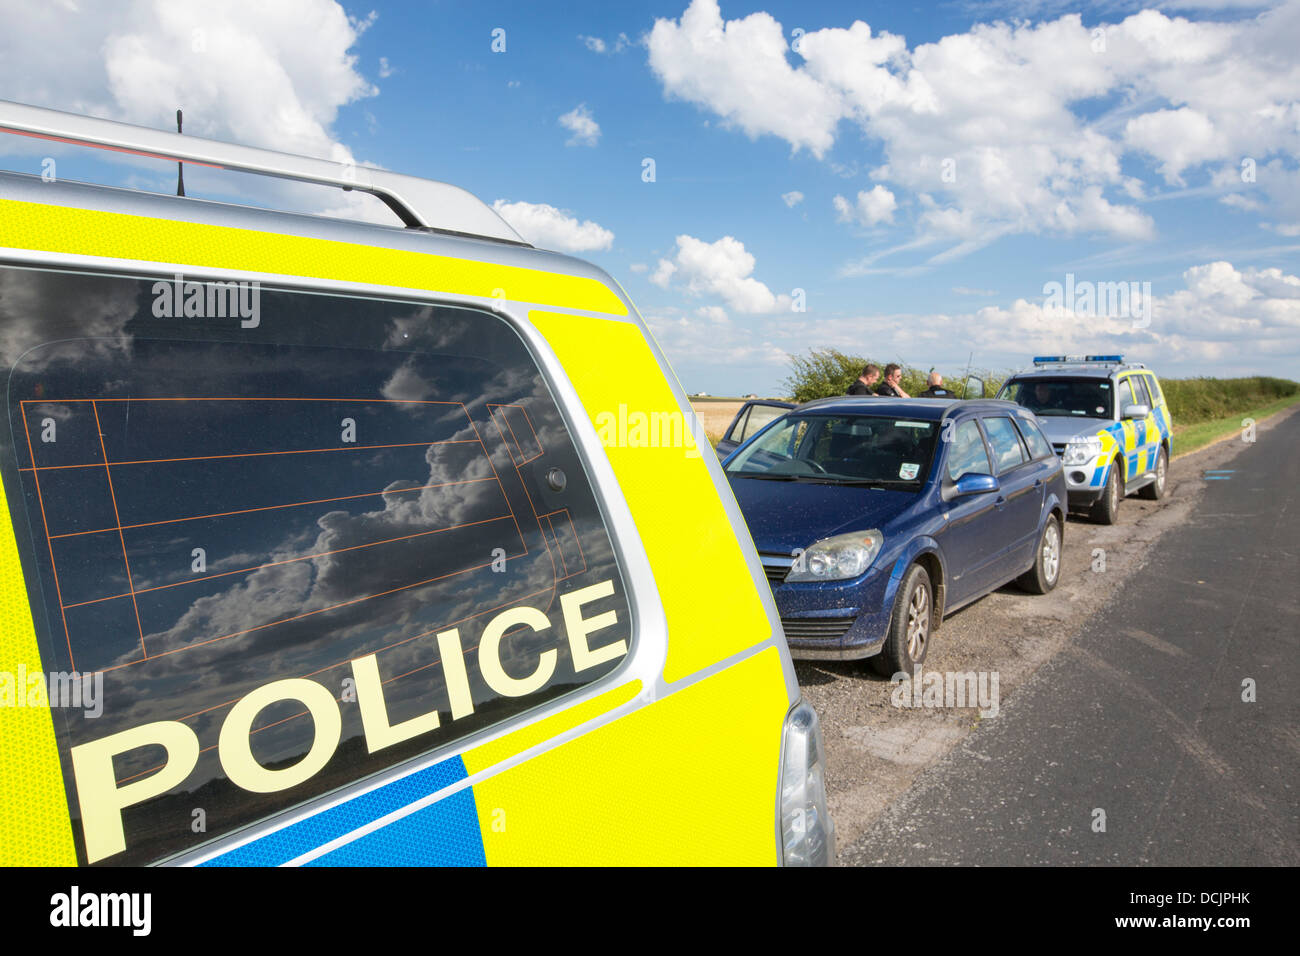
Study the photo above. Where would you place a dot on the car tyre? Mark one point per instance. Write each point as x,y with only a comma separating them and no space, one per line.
1046,570
1156,490
1106,510
911,626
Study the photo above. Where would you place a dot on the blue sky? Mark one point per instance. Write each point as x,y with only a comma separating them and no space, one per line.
921,181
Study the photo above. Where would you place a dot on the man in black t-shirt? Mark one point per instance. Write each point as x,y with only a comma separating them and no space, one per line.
936,389
866,381
891,388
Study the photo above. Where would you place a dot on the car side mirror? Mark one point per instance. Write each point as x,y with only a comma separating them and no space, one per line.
975,484
1136,411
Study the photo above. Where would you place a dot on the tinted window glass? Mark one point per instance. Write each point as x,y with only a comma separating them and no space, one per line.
1077,397
1038,445
1007,451
968,455
349,495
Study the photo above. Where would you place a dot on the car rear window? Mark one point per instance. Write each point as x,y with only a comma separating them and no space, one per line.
1007,450
759,415
376,497
1039,446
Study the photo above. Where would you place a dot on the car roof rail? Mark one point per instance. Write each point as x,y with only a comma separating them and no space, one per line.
418,203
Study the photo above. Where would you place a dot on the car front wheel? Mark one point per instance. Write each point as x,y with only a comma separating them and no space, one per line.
910,626
1106,510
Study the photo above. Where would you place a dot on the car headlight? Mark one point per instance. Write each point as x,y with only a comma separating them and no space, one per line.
1081,452
807,833
838,558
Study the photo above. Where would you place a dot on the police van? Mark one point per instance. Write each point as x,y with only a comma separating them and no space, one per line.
316,546
1109,422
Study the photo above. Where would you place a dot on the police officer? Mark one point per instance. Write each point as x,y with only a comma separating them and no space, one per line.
936,389
891,388
865,385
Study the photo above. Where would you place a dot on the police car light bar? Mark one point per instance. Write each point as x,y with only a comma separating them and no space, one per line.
1078,359
419,203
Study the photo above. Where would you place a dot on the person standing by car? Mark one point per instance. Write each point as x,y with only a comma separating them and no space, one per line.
891,388
866,383
936,389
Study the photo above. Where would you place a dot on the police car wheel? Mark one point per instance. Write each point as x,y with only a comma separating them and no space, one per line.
1156,490
910,627
1046,571
1106,510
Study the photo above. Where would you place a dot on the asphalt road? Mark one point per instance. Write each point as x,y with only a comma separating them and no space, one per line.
1141,716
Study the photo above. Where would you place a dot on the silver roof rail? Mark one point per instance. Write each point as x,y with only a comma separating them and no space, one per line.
419,203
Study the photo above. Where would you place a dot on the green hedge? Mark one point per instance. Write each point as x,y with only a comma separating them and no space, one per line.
826,372
1193,400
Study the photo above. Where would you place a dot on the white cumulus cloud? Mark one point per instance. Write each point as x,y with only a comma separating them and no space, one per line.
873,207
583,126
549,228
244,71
723,269
989,128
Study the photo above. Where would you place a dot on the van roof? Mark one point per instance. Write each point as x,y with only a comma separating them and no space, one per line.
418,203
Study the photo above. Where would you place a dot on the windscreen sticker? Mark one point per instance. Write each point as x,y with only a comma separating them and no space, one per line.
912,424
908,471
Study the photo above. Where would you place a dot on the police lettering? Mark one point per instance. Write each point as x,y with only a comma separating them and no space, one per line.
103,799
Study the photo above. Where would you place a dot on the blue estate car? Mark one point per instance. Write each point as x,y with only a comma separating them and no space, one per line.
876,516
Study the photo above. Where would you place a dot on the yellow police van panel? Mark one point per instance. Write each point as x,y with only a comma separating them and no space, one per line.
695,553
335,545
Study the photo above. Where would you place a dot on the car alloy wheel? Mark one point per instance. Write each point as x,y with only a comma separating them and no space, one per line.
918,621
1051,552
1114,494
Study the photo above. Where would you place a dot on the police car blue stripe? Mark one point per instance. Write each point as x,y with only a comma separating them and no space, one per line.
304,836
444,834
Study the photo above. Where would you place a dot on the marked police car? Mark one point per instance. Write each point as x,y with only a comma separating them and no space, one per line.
1109,422
317,533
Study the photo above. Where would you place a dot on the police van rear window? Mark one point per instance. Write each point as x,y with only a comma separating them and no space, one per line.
287,540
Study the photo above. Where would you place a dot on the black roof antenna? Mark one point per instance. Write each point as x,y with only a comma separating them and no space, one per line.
180,175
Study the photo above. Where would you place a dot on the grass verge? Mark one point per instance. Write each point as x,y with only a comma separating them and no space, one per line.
1189,438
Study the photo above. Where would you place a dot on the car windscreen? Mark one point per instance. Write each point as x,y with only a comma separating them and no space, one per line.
293,549
841,449
1063,397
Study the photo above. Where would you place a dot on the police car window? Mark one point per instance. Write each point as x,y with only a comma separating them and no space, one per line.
968,455
1007,450
1125,394
1038,445
1154,388
1140,390
1061,397
301,539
